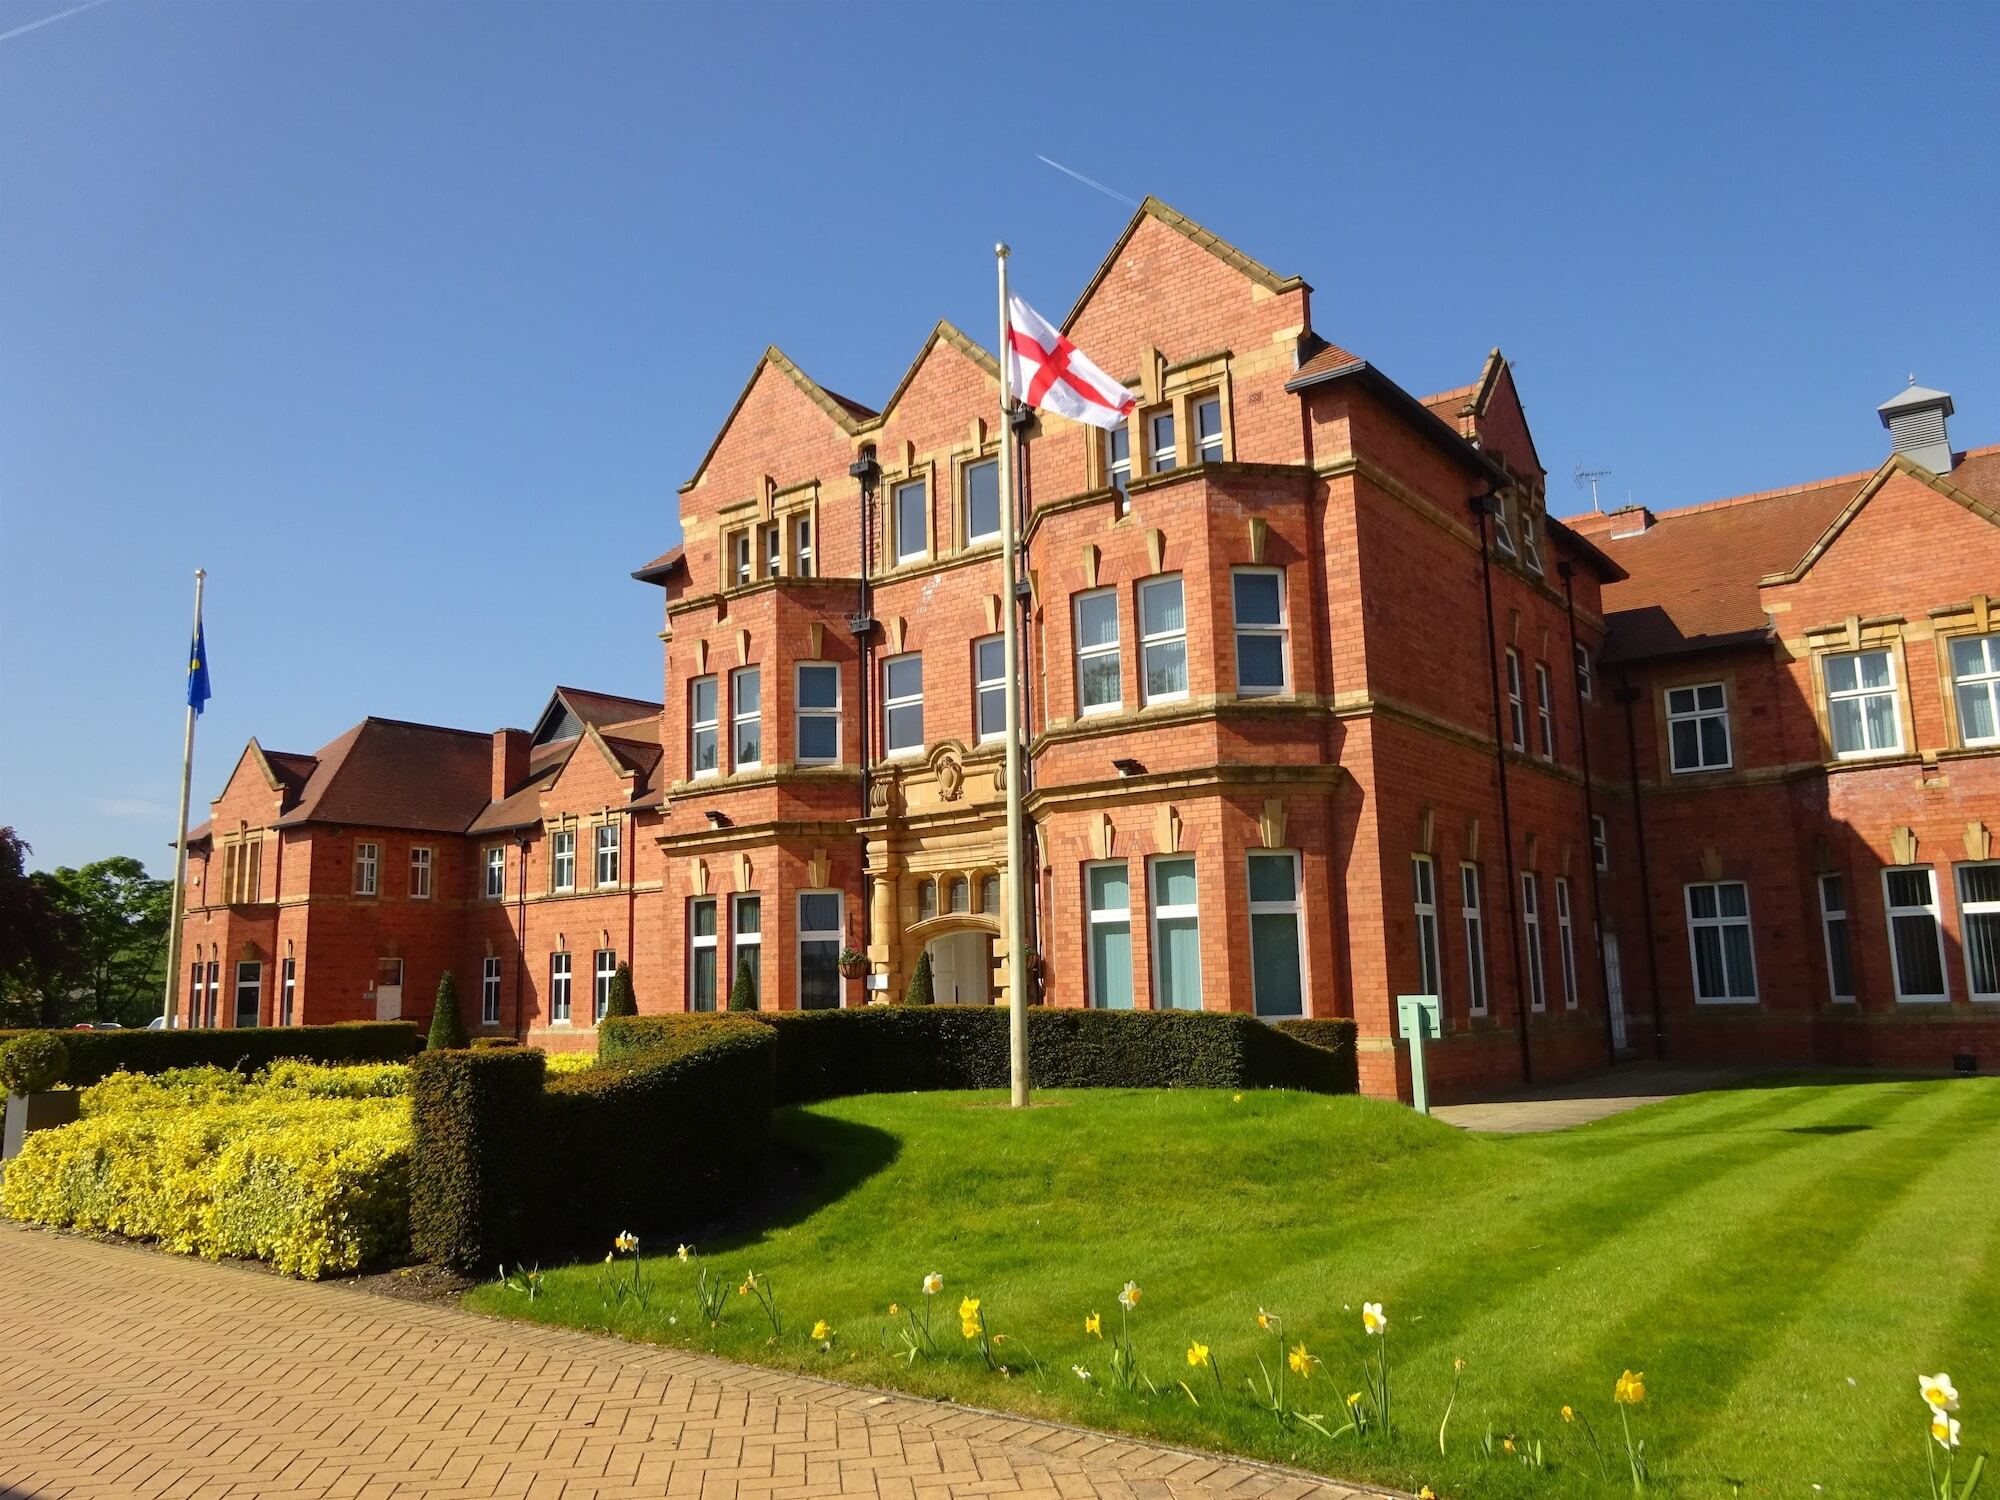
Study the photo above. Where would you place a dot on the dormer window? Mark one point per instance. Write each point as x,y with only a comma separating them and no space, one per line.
1503,529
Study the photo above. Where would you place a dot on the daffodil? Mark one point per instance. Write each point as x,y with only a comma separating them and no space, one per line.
1302,1363
1093,1325
1079,1372
933,1284
1129,1298
627,1241
686,1252
1427,1493
1353,1399
1939,1391
1507,1444
821,1331
1569,1415
968,1309
1631,1388
1944,1428
1197,1353
1372,1318
1235,1098
609,1257
1263,1320
1458,1364
895,1311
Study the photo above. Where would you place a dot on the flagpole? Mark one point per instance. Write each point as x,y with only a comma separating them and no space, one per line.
1017,862
168,1005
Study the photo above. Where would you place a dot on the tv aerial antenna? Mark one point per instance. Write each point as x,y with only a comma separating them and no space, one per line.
1590,477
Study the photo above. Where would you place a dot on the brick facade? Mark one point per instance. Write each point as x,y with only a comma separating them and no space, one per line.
1266,794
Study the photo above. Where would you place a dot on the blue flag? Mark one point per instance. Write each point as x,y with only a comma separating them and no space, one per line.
198,690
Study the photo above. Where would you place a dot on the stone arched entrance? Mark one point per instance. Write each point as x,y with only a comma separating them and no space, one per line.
962,967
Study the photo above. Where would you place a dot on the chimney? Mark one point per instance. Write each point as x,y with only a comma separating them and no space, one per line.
1915,419
510,761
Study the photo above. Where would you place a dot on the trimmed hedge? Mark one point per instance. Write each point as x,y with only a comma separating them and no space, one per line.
896,1049
96,1054
508,1158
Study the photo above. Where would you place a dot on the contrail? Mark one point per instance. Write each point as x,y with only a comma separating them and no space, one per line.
1067,172
74,10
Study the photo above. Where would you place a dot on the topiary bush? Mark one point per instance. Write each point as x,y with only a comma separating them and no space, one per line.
447,1025
472,1125
33,1063
919,991
743,993
95,1054
621,1001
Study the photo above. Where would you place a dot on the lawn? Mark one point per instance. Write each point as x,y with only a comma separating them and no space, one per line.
1780,1262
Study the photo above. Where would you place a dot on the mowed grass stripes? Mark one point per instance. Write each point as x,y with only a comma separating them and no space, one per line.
1781,1261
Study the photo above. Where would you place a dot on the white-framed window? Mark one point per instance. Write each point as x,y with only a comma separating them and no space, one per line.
249,992
1099,676
1257,596
1600,842
1545,710
1583,672
818,713
1176,935
496,872
989,687
1975,676
1207,416
927,900
1161,455
1163,666
746,935
704,737
214,991
1531,933
903,704
1861,704
562,859
1916,936
774,548
607,852
367,862
703,949
1517,710
802,546
739,558
1698,728
1469,910
1109,893
820,937
989,895
1503,529
1566,944
911,510
1118,457
420,874
1833,933
746,721
559,989
1277,934
489,990
1531,540
1719,946
1979,927
1430,968
288,991
602,972
982,500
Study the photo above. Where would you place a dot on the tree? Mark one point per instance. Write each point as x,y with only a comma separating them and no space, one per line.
37,938
743,993
101,947
621,1001
919,991
447,1025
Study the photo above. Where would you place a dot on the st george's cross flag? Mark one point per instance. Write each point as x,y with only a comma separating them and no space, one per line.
1048,372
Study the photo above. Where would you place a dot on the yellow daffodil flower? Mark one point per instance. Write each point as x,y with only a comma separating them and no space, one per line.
895,1310
1458,1364
1944,1428
627,1241
933,1284
1353,1399
1507,1444
1939,1391
968,1309
1302,1363
1372,1317
684,1253
1197,1353
1263,1320
1130,1296
969,1328
1093,1325
1236,1099
1427,1493
1631,1389
1568,1414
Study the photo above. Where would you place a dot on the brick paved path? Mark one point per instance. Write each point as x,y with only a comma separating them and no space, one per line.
124,1371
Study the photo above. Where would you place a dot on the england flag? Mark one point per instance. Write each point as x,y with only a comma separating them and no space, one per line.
1048,372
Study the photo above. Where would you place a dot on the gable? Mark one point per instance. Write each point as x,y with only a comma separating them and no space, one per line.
948,358
1502,422
779,398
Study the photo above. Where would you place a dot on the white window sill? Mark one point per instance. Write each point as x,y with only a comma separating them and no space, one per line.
1100,709
1270,692
1923,999
982,539
1727,1000
908,752
1159,698
1703,770
1848,757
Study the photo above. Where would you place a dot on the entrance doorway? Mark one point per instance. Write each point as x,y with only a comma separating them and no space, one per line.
389,989
1614,990
961,968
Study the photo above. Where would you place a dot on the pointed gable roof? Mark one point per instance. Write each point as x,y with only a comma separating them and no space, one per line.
944,333
1181,224
1974,483
846,414
569,710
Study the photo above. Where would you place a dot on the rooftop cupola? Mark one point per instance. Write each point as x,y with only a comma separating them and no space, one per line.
1915,419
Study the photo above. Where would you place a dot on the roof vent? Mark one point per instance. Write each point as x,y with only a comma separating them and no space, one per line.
1915,419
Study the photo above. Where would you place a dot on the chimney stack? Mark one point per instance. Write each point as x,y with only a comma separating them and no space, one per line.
510,761
1915,419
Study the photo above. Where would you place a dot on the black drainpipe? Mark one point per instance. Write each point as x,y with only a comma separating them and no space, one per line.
1482,507
521,950
866,472
1568,572
1629,695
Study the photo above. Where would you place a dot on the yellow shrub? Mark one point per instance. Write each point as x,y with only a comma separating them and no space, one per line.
177,1088
345,1081
571,1062
311,1185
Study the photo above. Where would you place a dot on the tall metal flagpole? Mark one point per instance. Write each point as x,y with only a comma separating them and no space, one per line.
180,843
1017,861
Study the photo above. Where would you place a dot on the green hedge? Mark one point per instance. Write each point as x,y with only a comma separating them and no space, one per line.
895,1049
94,1054
509,1160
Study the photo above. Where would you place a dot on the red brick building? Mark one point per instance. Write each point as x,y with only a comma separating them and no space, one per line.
1323,708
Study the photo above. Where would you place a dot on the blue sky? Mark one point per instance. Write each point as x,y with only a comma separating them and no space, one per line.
405,320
